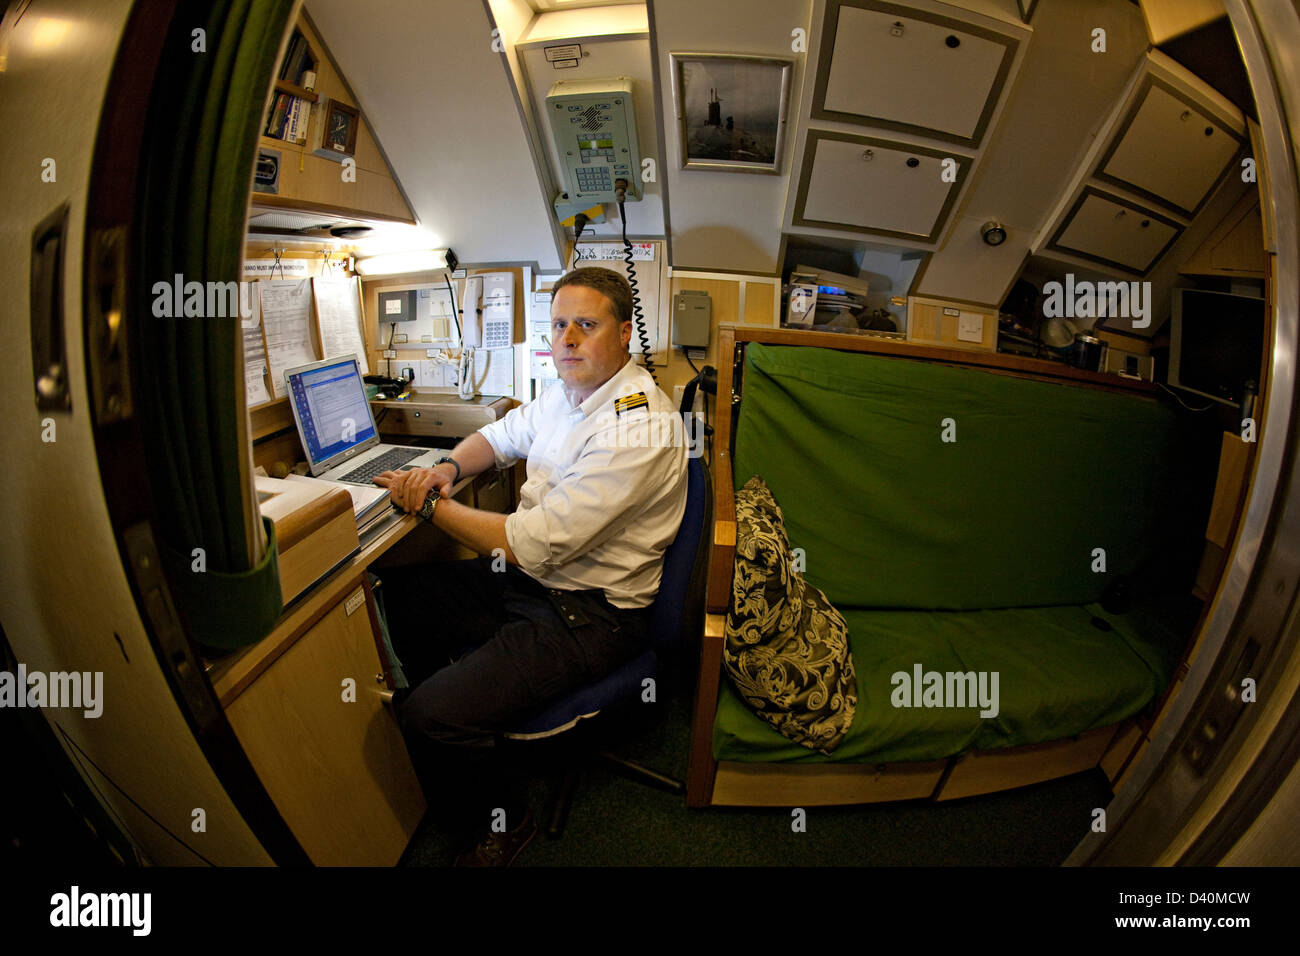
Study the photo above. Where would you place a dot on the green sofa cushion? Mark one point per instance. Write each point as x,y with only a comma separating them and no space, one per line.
889,515
1058,675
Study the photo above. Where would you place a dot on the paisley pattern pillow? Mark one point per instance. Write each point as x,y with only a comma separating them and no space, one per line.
787,648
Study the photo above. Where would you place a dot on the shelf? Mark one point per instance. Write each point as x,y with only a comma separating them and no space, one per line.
270,418
283,86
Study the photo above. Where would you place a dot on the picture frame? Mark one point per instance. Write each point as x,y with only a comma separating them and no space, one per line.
731,110
339,133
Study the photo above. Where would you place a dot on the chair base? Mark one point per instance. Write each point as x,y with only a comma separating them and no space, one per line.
557,811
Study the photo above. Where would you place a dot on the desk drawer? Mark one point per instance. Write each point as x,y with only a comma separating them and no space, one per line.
445,421
492,491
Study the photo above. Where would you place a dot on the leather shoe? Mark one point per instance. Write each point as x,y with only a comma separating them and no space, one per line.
500,849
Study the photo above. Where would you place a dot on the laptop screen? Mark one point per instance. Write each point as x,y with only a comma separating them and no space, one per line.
329,403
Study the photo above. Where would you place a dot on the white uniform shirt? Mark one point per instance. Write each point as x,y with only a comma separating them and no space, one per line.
606,486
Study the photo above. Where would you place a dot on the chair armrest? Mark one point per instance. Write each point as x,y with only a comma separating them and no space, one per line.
722,555
701,767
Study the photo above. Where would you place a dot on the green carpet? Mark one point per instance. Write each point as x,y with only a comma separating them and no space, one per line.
616,822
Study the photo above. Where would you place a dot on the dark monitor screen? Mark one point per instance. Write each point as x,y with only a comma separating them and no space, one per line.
1216,343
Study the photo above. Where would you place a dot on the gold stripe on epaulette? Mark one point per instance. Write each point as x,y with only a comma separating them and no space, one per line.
629,402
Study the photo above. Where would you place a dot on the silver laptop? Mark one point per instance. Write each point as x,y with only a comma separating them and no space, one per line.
337,429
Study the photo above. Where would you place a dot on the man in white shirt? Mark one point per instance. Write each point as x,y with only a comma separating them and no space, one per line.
562,597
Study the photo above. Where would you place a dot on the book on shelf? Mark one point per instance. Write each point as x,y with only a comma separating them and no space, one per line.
297,60
288,118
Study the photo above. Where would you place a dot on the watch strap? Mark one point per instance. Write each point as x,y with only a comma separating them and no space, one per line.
454,464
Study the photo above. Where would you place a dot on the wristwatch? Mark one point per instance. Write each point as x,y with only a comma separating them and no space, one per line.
453,463
430,502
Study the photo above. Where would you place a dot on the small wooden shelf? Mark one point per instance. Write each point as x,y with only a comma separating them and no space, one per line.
308,180
284,86
270,417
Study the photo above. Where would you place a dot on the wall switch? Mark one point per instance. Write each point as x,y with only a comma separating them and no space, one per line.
970,327
390,353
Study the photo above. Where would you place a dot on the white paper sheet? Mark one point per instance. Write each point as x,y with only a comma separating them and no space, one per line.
254,361
494,371
286,317
364,497
338,308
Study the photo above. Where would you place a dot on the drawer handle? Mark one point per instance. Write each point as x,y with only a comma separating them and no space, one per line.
868,155
952,41
913,162
1187,114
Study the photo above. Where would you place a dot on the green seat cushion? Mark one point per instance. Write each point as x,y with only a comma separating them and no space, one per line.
1010,514
1058,675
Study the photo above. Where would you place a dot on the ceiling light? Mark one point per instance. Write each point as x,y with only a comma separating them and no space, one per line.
994,233
393,263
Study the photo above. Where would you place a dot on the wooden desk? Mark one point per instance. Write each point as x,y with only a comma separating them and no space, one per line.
307,704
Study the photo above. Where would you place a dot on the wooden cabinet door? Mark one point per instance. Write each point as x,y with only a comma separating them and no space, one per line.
336,767
867,185
910,70
1116,233
1170,149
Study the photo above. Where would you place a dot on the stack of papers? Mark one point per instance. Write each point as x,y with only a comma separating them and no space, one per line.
368,502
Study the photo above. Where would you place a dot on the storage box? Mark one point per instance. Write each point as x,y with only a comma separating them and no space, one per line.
315,530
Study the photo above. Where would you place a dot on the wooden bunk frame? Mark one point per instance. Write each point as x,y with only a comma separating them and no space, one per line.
735,783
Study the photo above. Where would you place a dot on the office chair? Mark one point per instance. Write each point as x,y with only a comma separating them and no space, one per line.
675,610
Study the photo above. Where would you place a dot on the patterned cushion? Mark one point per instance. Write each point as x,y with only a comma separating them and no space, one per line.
787,648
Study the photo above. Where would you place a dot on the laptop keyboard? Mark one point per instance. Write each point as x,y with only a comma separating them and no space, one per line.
388,461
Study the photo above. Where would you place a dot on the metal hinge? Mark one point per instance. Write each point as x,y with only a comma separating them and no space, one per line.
106,342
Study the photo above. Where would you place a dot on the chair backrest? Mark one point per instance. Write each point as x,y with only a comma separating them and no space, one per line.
683,561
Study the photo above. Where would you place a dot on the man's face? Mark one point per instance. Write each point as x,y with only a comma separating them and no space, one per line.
588,342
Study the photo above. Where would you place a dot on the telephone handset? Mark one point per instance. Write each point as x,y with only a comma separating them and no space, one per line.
488,311
471,329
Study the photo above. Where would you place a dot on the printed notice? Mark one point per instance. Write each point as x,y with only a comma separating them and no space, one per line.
338,307
254,361
605,252
275,268
494,371
286,317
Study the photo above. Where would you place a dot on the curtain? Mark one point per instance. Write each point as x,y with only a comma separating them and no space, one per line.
200,145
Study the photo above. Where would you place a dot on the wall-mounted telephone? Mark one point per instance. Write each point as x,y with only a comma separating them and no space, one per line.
594,127
488,311
487,322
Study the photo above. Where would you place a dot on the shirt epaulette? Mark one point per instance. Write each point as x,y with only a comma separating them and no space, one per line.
629,402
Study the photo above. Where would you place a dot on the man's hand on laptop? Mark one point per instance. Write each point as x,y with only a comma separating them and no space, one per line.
408,488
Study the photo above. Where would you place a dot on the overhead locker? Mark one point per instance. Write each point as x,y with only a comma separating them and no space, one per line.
910,70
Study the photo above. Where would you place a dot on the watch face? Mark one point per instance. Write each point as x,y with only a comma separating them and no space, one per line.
430,502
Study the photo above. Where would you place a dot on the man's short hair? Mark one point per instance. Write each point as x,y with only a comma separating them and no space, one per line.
605,281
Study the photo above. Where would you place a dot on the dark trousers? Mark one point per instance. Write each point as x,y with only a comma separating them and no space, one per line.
483,650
